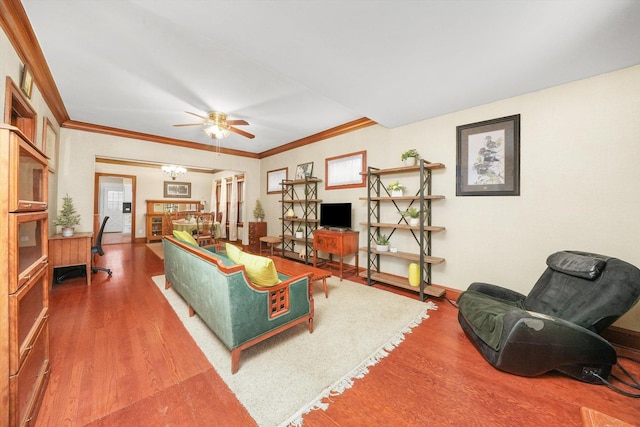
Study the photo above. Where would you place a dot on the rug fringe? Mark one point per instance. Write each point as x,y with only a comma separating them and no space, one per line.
359,372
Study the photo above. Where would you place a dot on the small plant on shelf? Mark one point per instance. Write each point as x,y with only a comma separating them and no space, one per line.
411,213
382,243
67,218
299,232
410,157
395,188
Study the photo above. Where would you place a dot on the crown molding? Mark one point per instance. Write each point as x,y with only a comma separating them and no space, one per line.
88,127
17,27
326,134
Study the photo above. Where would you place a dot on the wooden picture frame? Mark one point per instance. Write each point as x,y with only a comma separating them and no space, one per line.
488,158
50,144
274,180
175,189
26,82
346,171
304,170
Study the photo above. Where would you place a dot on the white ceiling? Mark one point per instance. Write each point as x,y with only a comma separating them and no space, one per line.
296,68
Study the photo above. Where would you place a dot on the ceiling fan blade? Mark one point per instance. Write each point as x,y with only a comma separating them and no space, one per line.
237,123
197,115
188,124
241,132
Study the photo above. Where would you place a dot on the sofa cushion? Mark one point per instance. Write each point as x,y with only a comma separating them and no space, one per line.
185,237
260,270
585,266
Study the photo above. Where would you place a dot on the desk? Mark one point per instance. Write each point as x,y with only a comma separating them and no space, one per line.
70,251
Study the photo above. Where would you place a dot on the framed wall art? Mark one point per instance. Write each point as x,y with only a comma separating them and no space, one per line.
274,180
26,83
50,144
488,158
177,189
304,170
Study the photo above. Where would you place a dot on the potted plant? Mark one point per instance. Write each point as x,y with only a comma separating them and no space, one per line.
382,243
396,189
299,232
413,214
258,212
410,157
67,218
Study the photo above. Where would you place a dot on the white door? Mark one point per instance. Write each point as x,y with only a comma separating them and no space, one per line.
112,197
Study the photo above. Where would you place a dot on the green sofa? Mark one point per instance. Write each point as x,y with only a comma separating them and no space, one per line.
238,312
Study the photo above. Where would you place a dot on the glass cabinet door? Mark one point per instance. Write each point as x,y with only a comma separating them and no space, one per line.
28,178
27,247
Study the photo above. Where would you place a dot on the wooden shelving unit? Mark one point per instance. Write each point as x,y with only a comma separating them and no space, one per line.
378,198
300,196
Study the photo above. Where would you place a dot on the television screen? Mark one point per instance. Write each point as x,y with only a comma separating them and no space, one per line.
335,215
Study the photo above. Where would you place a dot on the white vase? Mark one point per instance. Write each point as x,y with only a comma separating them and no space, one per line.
410,161
414,221
67,231
299,234
396,193
382,248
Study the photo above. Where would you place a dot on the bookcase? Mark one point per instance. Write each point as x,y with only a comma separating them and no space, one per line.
300,206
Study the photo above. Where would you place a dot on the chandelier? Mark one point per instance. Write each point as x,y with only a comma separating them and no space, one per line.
216,125
173,171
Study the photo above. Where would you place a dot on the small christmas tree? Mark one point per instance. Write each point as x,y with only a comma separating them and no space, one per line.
258,212
67,216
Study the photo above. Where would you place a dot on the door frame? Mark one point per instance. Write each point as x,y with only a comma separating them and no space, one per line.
96,197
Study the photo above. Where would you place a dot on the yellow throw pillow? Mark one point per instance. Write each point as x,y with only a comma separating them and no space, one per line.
261,270
185,236
233,252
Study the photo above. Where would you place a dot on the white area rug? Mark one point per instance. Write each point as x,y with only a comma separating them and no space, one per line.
288,375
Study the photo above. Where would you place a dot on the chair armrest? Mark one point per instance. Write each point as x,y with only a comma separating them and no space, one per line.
534,343
499,292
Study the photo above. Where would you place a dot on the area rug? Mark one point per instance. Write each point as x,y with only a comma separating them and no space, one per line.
294,372
156,248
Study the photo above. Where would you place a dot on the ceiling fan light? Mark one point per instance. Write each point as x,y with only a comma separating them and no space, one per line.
216,130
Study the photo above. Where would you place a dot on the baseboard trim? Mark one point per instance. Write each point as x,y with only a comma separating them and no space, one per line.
622,337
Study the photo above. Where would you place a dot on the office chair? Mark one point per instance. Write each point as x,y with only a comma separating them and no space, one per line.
97,249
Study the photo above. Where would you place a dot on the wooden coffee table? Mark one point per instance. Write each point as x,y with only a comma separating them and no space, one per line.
293,268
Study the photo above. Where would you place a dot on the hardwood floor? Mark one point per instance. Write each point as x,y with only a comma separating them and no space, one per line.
120,357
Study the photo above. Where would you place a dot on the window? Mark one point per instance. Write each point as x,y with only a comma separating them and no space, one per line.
346,171
241,201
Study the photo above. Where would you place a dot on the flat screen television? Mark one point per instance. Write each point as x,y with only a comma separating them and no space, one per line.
335,215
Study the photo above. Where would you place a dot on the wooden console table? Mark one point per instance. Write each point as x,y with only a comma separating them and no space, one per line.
339,243
70,251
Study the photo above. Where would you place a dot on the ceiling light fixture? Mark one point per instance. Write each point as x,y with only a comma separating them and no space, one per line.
216,125
173,171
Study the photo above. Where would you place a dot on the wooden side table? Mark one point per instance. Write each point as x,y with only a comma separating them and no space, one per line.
70,251
271,241
339,243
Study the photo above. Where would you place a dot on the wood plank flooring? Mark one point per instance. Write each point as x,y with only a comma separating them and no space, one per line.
120,357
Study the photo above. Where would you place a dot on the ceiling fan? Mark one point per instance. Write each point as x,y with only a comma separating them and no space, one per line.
217,126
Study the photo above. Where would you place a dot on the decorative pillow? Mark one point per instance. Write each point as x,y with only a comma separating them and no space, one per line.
185,237
260,270
233,252
587,266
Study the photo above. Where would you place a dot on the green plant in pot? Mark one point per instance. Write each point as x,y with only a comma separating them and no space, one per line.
67,217
299,232
382,243
410,157
395,188
413,214
258,212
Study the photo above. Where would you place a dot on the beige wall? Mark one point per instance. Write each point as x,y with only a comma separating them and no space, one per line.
579,166
580,157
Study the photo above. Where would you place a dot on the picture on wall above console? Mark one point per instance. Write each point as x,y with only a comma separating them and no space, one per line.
50,144
304,170
488,158
274,180
177,189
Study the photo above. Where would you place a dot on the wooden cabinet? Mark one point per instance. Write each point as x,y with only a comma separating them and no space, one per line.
338,243
300,205
378,200
24,289
256,231
155,215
